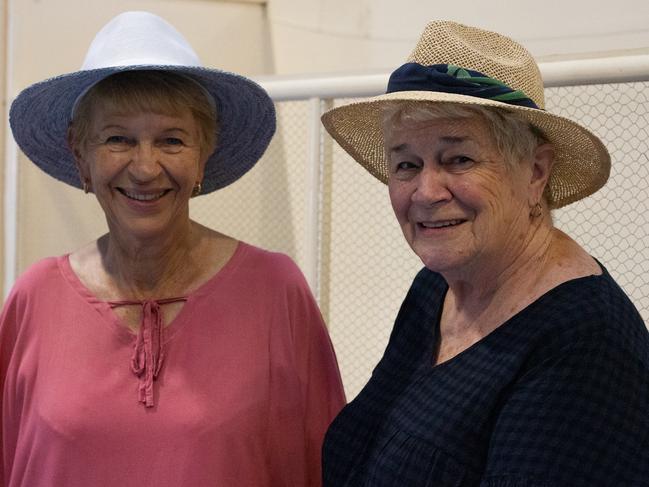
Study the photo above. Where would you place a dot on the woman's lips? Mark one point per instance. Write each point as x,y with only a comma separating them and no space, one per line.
440,223
143,196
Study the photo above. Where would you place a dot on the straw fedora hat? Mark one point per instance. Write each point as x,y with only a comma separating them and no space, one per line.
40,115
455,63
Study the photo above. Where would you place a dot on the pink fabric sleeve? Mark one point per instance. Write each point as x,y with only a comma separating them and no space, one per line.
7,344
323,391
317,370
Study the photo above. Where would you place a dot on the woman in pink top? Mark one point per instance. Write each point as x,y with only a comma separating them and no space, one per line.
164,353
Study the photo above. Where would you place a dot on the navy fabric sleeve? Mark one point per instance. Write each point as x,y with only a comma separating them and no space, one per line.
579,404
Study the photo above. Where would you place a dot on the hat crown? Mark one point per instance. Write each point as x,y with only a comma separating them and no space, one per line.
136,39
490,53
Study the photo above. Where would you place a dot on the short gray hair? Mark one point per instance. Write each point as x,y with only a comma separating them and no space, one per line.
515,137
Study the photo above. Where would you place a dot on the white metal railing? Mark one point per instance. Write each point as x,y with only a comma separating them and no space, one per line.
10,176
618,69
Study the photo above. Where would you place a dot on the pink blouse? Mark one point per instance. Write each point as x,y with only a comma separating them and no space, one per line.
246,385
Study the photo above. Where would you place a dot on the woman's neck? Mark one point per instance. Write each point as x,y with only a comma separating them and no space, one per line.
502,288
155,268
499,283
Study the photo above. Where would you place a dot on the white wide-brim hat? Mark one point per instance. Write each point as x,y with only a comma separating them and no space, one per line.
40,115
455,63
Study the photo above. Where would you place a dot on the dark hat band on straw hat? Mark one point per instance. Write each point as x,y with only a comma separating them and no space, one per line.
448,78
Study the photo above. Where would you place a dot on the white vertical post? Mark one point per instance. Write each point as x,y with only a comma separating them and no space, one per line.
10,167
10,212
313,197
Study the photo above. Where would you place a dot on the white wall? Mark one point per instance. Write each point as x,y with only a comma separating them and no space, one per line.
335,35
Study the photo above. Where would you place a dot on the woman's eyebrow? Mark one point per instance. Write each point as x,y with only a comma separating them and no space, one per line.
176,129
453,139
111,126
447,139
398,148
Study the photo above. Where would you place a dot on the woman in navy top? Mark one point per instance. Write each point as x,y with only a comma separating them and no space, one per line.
515,360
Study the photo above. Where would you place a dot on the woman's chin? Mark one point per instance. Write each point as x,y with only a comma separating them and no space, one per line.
145,229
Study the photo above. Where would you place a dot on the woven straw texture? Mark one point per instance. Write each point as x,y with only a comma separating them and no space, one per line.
582,163
487,52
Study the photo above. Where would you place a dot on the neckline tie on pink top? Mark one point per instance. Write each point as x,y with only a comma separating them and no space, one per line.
148,351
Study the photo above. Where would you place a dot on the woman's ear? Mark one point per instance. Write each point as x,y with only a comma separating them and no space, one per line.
201,168
542,162
79,161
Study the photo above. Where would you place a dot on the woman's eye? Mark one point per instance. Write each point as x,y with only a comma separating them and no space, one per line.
459,161
171,144
116,139
403,170
173,141
405,165
118,142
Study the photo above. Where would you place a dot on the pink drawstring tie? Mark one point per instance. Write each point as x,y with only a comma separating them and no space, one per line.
148,351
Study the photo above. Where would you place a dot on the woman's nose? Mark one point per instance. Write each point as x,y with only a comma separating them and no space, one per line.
145,163
432,186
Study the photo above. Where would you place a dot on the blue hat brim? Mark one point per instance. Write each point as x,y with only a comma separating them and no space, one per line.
40,115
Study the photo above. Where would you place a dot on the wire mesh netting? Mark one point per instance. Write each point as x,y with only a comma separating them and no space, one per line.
266,206
613,224
365,266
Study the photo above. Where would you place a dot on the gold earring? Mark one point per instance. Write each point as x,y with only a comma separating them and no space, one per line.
536,211
197,189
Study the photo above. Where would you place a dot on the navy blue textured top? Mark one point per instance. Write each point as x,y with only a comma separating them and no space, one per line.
558,395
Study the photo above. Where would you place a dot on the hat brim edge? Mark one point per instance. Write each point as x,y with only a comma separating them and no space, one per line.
554,127
39,118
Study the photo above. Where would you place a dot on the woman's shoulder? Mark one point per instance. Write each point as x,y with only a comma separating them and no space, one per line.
617,318
40,271
266,261
41,278
579,287
243,255
589,311
596,298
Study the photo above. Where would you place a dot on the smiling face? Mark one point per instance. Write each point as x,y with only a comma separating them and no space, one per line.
460,206
142,167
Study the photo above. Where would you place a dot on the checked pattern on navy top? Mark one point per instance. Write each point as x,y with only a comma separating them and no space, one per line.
556,396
